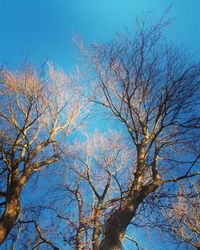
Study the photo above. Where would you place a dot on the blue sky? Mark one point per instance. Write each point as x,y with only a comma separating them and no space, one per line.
43,28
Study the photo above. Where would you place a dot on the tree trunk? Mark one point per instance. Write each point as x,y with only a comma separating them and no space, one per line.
115,230
119,221
12,207
116,226
79,238
96,232
10,214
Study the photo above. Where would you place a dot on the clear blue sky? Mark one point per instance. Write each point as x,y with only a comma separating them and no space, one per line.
44,28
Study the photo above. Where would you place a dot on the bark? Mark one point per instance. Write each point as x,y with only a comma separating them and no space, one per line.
119,221
12,207
96,232
10,216
79,238
116,226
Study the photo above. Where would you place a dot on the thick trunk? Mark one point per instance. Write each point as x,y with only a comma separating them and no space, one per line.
119,221
96,233
12,207
116,227
10,214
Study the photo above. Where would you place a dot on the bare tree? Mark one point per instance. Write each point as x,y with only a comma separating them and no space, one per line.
184,217
152,89
38,111
94,188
